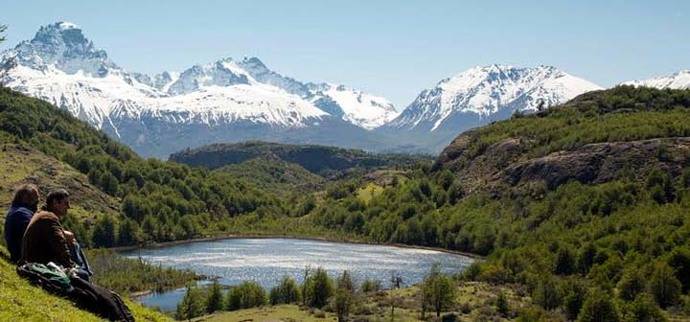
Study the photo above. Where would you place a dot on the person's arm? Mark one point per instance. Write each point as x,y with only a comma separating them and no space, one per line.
58,245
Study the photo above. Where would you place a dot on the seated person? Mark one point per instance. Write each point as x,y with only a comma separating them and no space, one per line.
46,241
23,207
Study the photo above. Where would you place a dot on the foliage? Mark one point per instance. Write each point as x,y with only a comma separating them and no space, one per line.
286,292
247,294
318,288
214,300
127,275
168,201
631,285
645,309
598,307
438,290
664,285
192,304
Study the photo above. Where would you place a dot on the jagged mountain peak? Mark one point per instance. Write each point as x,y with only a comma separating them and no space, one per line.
64,46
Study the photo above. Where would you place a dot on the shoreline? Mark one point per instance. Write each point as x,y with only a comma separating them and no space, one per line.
272,236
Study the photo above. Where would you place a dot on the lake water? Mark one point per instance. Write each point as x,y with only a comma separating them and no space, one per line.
267,260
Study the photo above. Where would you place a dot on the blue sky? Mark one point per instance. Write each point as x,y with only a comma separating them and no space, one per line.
390,48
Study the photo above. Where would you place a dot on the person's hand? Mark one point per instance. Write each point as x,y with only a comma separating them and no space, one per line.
69,236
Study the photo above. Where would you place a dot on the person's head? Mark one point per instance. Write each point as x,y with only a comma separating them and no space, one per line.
26,195
57,202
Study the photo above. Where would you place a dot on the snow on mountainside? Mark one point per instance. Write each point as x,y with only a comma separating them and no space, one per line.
679,80
63,67
487,93
361,109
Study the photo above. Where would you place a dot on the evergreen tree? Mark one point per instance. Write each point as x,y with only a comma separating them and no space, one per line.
679,260
104,232
645,309
565,262
246,295
192,304
129,233
546,293
318,288
598,307
630,285
214,301
574,294
342,303
438,290
502,306
285,293
664,285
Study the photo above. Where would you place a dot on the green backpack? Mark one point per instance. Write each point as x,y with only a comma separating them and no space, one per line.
50,277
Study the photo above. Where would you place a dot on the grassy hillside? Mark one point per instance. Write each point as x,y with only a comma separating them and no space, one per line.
20,301
587,200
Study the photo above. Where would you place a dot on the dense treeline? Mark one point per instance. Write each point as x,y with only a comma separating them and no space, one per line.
161,201
579,248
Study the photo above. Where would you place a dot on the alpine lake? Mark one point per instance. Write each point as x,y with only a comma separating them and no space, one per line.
267,260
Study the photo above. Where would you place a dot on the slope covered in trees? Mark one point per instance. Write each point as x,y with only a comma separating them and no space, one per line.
576,203
153,200
321,160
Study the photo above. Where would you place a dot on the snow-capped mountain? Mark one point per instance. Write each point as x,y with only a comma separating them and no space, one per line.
354,106
481,95
223,101
679,80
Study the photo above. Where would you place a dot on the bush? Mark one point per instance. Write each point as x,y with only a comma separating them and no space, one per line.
598,307
319,288
645,309
565,262
574,294
546,294
664,285
192,304
679,260
630,285
438,291
246,295
285,293
214,300
370,285
502,305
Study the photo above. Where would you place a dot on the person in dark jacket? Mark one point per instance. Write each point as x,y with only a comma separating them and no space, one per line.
23,207
46,241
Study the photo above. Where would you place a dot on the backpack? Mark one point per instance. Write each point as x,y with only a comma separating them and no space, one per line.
49,277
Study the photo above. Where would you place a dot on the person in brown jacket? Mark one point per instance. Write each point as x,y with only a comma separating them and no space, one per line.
45,240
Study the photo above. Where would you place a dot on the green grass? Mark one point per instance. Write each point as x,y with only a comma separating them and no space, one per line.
20,301
20,164
269,313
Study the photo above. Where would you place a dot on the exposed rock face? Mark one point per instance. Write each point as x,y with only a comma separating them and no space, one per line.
601,162
505,165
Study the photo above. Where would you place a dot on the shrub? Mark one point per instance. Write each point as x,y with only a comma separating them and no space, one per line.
630,285
546,294
246,295
598,307
286,292
645,309
318,288
664,285
192,304
214,300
